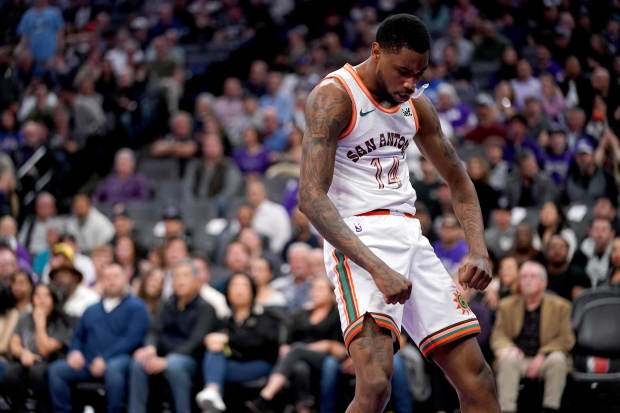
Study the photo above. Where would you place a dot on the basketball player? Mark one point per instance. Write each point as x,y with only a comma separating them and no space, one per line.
355,190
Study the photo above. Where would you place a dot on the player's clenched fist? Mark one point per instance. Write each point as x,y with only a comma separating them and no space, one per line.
475,272
395,287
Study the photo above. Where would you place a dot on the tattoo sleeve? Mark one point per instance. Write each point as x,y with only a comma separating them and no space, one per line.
328,111
436,147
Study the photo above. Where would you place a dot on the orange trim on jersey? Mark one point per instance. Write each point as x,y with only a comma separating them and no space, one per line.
415,116
353,119
382,212
364,89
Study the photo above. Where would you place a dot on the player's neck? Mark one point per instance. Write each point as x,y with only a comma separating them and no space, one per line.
367,72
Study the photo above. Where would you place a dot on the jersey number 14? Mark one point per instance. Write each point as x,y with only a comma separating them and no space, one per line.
392,173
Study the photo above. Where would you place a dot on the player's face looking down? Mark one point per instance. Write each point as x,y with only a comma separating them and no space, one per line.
398,72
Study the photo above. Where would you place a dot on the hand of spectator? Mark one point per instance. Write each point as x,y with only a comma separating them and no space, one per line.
161,148
142,354
322,346
97,367
40,317
347,367
512,352
215,342
491,298
284,349
534,366
28,358
76,360
155,365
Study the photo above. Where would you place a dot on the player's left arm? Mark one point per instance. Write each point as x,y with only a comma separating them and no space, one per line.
438,149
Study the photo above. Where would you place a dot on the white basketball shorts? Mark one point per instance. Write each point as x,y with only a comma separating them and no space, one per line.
435,313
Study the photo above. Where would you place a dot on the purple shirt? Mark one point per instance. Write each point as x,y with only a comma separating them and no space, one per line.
247,163
115,190
450,258
457,115
556,166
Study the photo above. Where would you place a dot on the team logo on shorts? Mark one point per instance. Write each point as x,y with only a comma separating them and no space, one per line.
358,227
461,304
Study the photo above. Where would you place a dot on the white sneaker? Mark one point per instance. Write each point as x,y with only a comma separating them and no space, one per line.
210,400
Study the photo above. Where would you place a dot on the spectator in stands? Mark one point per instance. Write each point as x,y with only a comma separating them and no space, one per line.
594,252
252,157
500,234
215,176
316,262
451,246
537,121
277,98
123,224
507,283
454,36
427,185
314,334
529,187
216,299
478,171
261,271
504,100
102,257
587,181
65,252
229,105
608,152
270,219
39,338
77,296
532,337
275,137
489,43
151,288
179,143
295,286
552,222
524,249
254,245
8,265
250,118
450,109
244,350
604,208
104,339
564,279
243,219
174,344
498,167
552,98
9,316
488,124
125,255
519,141
21,288
40,29
8,236
302,232
33,232
575,86
89,225
175,251
614,273
558,155
124,184
575,127
525,85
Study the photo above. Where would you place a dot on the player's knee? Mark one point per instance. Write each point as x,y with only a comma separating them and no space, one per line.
377,386
481,381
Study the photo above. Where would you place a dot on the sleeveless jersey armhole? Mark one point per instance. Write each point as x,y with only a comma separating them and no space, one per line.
353,119
415,116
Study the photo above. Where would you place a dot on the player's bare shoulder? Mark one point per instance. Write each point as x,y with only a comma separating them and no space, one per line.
328,110
427,117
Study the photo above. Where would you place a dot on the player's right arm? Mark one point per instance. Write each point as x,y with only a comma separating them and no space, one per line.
328,111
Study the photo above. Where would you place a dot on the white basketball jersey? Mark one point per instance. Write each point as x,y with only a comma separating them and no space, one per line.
370,170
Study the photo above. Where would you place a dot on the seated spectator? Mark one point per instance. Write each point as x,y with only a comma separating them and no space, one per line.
270,219
33,231
252,157
565,280
275,96
314,334
452,110
175,251
77,296
89,225
250,118
451,246
102,343
614,272
9,316
21,288
478,171
529,187
39,338
586,181
151,288
8,265
275,137
180,143
243,219
229,105
261,272
41,261
125,255
102,257
316,262
500,236
66,252
505,284
558,155
519,141
214,176
608,152
295,286
524,249
552,98
124,184
301,232
532,337
594,252
488,123
245,349
525,85
216,299
552,222
174,344
537,122
254,244
8,237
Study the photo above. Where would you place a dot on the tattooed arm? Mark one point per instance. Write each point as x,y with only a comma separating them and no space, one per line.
438,149
328,112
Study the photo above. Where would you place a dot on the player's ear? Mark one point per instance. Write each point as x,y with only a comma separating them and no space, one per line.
375,51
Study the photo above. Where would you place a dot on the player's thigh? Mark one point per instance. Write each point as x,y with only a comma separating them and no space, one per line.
463,364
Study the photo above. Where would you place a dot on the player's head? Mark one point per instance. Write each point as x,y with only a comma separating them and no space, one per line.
401,54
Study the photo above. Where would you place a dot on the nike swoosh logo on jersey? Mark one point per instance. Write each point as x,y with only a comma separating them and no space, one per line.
362,113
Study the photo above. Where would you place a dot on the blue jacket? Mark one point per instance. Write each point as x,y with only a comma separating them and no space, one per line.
111,334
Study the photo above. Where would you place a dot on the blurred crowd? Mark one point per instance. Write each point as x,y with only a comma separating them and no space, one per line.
149,165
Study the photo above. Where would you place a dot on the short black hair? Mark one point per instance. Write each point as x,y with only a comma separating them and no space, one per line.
403,30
